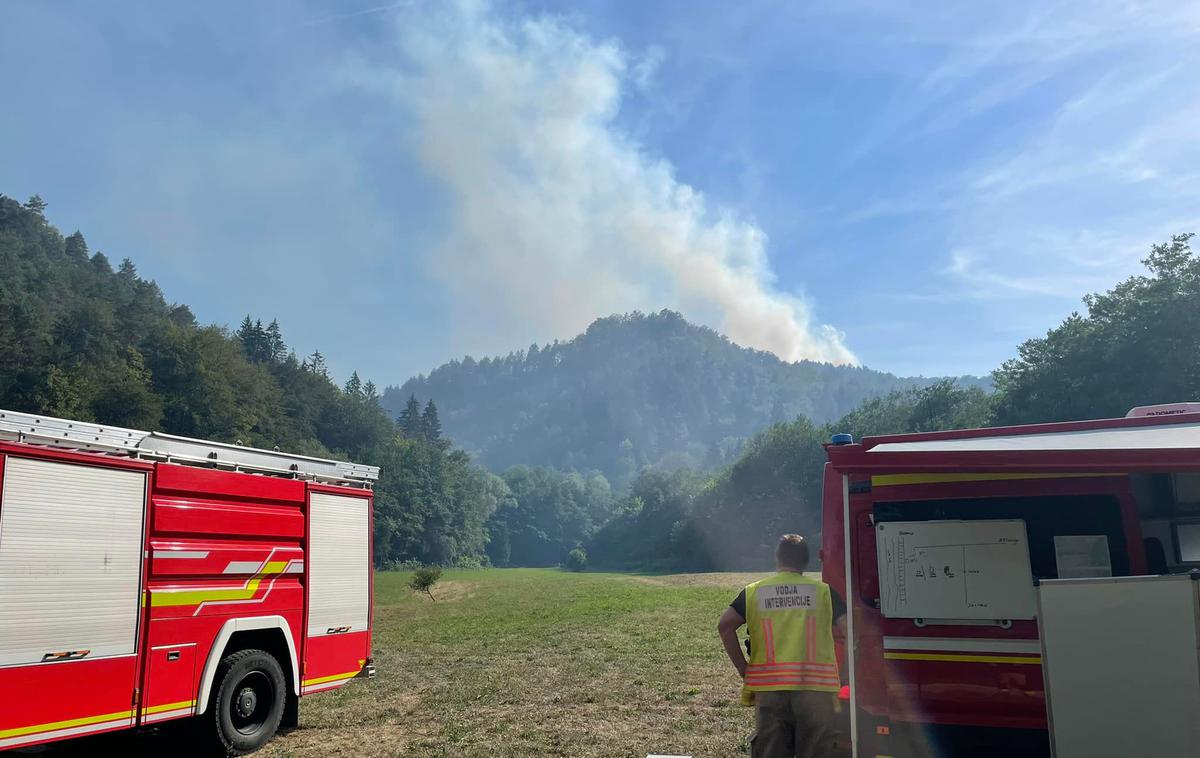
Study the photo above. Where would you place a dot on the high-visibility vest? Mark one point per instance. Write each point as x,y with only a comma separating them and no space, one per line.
790,620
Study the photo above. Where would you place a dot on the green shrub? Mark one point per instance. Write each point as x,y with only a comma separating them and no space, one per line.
577,559
472,563
424,578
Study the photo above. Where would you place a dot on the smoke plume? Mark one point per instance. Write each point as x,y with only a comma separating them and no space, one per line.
557,215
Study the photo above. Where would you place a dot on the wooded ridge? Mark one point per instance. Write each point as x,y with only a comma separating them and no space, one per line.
671,447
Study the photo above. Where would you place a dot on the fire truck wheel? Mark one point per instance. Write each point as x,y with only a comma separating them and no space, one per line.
248,702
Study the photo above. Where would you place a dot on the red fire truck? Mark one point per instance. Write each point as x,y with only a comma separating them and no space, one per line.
947,534
146,577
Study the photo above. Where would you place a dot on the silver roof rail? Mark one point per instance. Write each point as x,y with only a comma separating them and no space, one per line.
85,435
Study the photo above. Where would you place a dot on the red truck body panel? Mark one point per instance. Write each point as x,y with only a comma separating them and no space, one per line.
959,675
223,552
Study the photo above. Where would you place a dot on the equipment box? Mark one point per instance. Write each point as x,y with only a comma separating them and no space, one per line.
1121,665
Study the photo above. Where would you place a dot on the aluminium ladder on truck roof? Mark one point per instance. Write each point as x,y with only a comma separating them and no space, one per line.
85,435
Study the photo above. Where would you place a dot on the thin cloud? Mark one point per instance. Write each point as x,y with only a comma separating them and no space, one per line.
335,17
1026,47
1054,266
1092,168
970,271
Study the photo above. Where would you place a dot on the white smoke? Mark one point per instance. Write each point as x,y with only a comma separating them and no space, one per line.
559,217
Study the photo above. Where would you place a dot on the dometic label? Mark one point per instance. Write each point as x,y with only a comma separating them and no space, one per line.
781,597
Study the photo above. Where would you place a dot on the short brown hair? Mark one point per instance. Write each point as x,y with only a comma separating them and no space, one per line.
792,552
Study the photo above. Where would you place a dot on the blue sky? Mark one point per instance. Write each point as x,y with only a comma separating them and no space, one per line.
917,189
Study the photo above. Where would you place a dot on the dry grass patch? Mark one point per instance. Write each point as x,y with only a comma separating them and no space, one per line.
522,662
539,663
728,580
450,591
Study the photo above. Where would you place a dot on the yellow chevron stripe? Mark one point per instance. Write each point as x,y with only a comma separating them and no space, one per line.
890,480
170,598
324,679
68,724
1036,659
168,707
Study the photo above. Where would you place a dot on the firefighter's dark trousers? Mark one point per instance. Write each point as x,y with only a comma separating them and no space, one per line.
794,724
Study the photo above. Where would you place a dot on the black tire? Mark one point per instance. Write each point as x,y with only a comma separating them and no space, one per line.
247,703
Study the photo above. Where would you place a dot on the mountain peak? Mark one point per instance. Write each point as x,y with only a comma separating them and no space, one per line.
632,390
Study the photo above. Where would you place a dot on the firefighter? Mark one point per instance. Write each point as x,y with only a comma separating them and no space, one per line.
792,676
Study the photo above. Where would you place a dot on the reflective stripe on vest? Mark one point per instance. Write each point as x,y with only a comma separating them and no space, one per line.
790,619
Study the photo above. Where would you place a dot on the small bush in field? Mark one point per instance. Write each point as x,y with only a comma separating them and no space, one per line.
577,559
424,578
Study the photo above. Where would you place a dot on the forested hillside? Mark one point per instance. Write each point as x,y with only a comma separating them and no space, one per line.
684,520
633,391
82,340
1137,344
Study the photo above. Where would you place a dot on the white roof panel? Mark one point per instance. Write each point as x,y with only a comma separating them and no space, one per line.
1157,437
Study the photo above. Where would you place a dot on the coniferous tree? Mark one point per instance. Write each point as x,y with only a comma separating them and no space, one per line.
127,271
36,204
260,342
245,335
255,341
76,247
370,394
315,364
410,419
354,386
431,426
276,349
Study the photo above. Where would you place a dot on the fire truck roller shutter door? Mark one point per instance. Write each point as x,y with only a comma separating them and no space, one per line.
70,560
338,564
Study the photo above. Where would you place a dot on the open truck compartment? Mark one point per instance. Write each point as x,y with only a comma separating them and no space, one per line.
938,540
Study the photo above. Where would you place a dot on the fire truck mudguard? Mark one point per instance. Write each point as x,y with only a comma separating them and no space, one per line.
221,642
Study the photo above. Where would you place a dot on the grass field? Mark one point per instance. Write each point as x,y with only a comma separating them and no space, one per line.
530,662
521,662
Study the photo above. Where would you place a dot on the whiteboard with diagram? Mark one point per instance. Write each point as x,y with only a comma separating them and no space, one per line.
960,570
